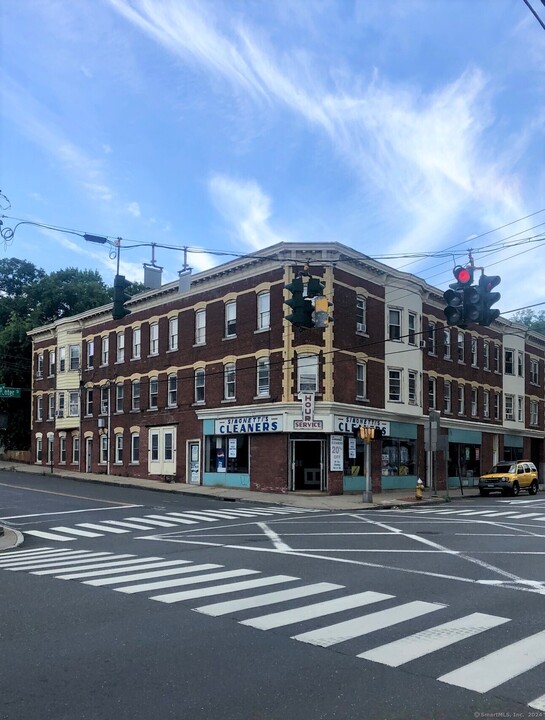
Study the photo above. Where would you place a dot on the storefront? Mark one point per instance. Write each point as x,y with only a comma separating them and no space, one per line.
513,447
464,457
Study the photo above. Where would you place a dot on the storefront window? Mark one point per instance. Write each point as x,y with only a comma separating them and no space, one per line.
227,454
464,460
398,457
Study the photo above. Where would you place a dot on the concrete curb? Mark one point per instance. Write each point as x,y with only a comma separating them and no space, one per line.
10,539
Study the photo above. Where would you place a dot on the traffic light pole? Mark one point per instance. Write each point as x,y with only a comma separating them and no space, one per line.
367,495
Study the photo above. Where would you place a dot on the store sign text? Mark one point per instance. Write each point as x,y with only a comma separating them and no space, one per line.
248,424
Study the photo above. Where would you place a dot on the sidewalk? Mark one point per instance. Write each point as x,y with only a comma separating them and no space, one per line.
309,500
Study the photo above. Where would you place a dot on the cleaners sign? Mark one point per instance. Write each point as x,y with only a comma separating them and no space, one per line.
248,424
349,423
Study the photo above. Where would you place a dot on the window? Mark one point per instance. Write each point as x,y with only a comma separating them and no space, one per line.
398,457
497,351
40,366
60,404
461,348
120,347
229,375
509,407
432,393
135,448
361,314
153,392
51,362
447,397
39,449
90,353
486,355
119,397
39,407
394,385
474,401
263,311
534,372
496,406
62,359
227,454
431,338
118,457
199,385
461,400
520,409
263,377
74,351
361,380
413,387
50,407
173,333
486,403
103,449
73,406
136,342
75,449
394,324
135,395
200,327
89,401
509,365
154,339
104,350
474,352
520,364
104,400
307,373
533,412
230,319
62,449
172,390
447,352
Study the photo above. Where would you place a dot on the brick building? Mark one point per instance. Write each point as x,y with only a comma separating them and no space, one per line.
205,382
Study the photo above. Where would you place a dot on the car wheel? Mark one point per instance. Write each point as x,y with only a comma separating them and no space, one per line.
516,488
484,493
534,487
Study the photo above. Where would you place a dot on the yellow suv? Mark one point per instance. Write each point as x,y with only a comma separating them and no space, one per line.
510,477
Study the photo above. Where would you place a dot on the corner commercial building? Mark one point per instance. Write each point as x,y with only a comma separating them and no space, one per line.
205,382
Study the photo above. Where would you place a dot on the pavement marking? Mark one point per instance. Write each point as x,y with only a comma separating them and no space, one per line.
50,555
69,512
186,581
538,703
249,603
49,535
75,531
149,521
194,515
500,666
436,638
61,563
317,610
79,497
31,553
164,572
102,528
276,540
114,567
222,589
349,629
121,523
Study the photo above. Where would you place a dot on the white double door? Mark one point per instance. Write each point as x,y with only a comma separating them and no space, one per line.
162,451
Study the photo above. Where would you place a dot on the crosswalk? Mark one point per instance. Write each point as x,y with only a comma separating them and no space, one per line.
307,606
63,533
475,513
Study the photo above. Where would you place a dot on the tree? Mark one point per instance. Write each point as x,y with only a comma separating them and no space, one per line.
534,321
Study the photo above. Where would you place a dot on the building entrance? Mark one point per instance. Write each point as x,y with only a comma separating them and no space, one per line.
307,465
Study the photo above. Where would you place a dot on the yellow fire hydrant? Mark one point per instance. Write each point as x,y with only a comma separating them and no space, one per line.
419,489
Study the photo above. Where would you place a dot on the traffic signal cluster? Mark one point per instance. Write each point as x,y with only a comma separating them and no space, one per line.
309,306
468,303
369,433
119,311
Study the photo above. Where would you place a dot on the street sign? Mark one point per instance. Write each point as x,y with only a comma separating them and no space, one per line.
6,392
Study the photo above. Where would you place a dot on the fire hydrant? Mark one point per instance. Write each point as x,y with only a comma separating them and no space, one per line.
419,489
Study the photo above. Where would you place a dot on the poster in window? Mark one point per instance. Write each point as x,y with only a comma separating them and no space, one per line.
232,451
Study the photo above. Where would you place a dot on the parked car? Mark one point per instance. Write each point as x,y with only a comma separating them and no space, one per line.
510,477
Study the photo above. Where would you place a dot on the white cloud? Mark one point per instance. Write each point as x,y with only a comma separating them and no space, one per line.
134,209
246,208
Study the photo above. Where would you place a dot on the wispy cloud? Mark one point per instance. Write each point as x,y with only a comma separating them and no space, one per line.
246,208
134,209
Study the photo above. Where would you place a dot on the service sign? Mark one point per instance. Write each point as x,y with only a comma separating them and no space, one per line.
248,424
308,424
349,423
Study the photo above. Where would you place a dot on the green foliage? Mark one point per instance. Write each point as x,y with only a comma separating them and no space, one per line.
534,321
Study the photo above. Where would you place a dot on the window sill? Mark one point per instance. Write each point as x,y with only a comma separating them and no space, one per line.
153,354
362,399
229,337
199,403
136,358
199,344
171,350
262,330
262,397
152,409
228,401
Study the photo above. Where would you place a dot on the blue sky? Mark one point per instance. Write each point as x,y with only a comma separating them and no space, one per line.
392,126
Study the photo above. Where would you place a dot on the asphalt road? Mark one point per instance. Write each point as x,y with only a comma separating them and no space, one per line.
128,603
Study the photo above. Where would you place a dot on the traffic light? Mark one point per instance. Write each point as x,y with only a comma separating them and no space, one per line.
369,432
488,298
472,305
302,308
454,312
320,316
314,287
119,311
459,297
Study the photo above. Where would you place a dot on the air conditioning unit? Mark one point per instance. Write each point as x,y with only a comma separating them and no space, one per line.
360,327
101,422
39,374
60,413
423,344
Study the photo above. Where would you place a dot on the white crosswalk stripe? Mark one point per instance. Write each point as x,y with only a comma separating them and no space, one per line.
75,531
103,528
145,587
164,572
222,589
113,568
132,526
48,535
29,560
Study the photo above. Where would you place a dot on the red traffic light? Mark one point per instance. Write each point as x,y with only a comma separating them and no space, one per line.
463,275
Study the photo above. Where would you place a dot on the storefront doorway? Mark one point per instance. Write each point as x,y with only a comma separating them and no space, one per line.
307,463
